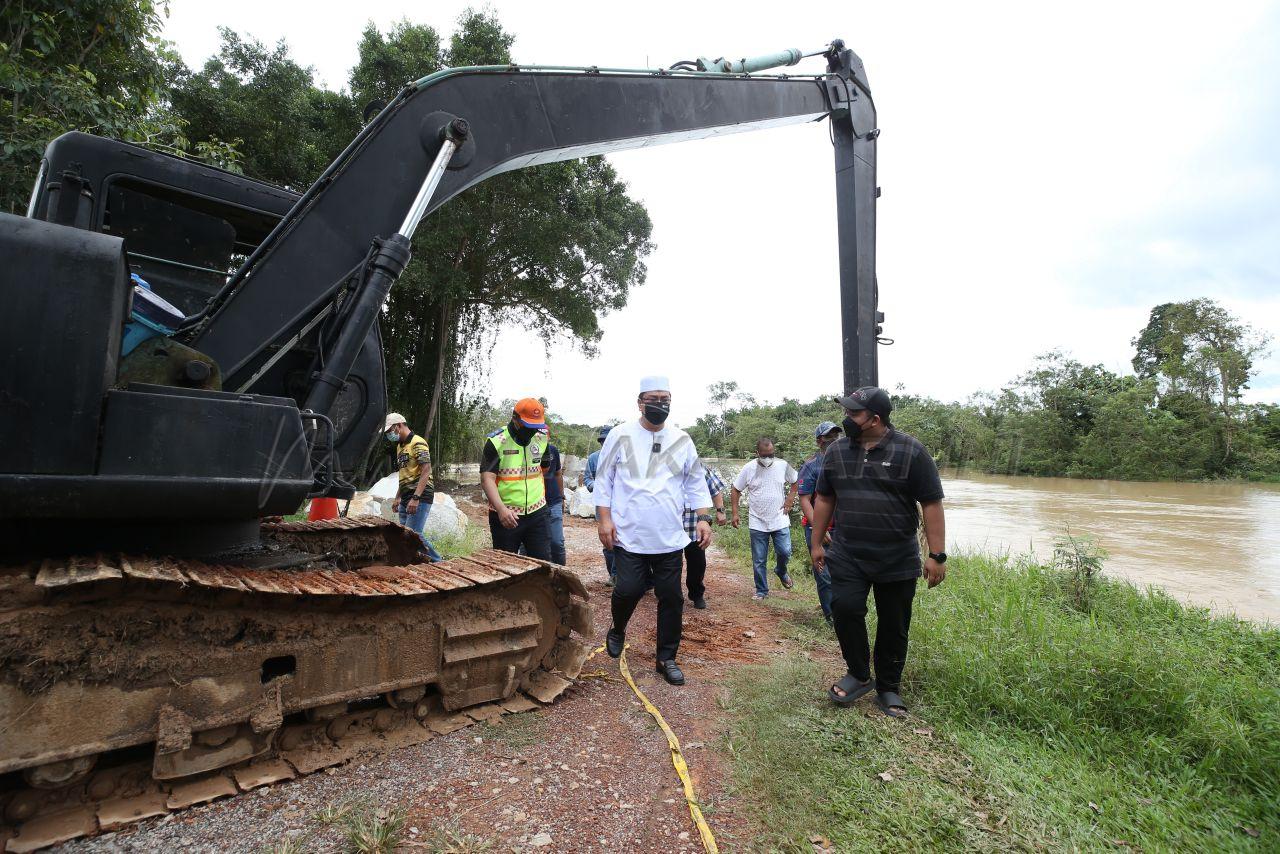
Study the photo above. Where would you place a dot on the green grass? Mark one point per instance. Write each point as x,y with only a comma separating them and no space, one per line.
475,537
372,830
450,838
1137,722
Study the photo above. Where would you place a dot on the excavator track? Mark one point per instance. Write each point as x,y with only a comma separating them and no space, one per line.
132,686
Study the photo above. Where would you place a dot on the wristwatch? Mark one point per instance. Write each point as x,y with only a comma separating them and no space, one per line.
703,517
415,497
939,557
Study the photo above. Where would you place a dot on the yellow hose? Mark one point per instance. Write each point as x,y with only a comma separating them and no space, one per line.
677,759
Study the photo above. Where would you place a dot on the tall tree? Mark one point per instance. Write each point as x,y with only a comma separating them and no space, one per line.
287,129
387,63
91,65
1155,346
1197,346
547,250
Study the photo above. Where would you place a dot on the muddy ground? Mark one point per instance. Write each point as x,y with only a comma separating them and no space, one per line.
590,772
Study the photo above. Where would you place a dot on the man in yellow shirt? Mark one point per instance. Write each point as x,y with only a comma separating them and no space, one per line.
413,501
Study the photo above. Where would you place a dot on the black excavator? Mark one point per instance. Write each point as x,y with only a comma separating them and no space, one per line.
186,353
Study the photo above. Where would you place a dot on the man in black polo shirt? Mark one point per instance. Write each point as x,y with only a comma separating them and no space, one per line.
871,479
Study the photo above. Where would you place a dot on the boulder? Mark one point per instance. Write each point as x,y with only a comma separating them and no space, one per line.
364,504
582,503
445,518
386,489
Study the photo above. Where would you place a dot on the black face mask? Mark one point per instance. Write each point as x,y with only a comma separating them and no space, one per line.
852,429
656,413
522,434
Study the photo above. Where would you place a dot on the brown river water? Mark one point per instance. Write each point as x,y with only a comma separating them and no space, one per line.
1211,544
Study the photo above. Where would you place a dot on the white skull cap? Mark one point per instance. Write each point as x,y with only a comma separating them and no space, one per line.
393,419
655,383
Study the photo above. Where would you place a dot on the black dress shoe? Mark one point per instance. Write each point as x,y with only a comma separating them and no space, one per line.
699,603
671,672
613,643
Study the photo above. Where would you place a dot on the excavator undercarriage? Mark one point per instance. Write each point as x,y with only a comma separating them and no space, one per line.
142,685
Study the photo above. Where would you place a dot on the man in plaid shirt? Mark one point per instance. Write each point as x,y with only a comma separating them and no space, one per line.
695,559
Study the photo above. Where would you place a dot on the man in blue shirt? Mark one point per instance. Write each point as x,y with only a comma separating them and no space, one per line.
553,477
826,434
589,481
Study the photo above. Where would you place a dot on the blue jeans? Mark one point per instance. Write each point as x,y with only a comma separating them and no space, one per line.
822,579
555,529
416,523
760,555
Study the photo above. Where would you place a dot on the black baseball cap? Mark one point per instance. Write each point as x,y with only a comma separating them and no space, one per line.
871,398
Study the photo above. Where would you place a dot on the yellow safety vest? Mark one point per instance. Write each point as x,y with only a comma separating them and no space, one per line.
520,483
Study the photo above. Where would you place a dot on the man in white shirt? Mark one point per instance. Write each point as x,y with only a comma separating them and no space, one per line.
766,480
648,473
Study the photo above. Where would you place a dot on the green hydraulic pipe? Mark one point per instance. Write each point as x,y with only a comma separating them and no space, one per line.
790,56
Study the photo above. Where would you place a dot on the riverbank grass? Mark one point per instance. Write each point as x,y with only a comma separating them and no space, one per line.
1124,720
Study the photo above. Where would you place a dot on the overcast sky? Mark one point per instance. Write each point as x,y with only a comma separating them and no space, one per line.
1049,175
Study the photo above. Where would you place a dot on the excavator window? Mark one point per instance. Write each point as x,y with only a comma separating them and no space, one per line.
185,246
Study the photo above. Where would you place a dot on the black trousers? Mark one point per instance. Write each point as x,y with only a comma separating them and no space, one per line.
634,572
849,589
695,569
531,532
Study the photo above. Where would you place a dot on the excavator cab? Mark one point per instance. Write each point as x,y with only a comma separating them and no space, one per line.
186,226
112,423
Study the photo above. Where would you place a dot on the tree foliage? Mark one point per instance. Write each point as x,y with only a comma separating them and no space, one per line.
92,65
287,129
1178,418
733,430
1200,349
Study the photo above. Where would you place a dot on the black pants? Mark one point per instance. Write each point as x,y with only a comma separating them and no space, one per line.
695,569
633,572
531,532
849,589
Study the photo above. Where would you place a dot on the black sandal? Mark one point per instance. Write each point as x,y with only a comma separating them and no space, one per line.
891,704
853,688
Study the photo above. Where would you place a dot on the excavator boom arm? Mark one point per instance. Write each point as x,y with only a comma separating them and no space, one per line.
523,117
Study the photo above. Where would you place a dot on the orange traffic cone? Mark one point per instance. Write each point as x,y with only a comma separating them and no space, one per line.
322,508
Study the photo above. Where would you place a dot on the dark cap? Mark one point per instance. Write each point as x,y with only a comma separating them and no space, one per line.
826,427
871,398
603,434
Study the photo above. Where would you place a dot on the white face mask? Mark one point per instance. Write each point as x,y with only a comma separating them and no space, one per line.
765,462
393,435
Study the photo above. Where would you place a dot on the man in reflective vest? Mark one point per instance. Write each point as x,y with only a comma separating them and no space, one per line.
511,475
